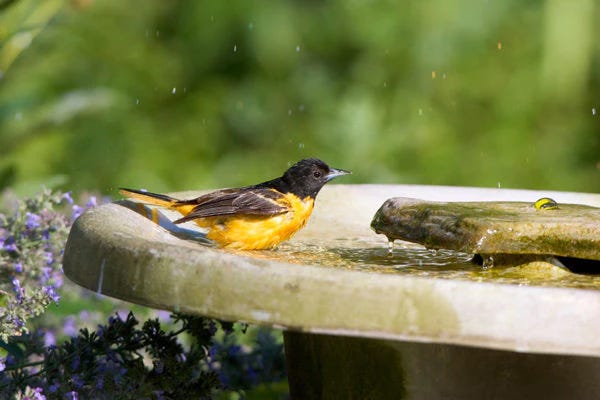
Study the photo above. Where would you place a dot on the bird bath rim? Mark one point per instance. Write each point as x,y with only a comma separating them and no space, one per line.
125,255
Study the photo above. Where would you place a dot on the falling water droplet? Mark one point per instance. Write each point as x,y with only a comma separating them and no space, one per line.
488,263
499,185
594,111
289,111
250,25
235,48
137,101
390,246
300,145
298,48
174,90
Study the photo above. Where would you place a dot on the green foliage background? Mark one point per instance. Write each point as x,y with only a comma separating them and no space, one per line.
174,95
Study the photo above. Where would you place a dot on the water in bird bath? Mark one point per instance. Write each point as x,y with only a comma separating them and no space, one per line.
371,254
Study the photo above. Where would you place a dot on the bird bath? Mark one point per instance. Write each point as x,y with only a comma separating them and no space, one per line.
359,322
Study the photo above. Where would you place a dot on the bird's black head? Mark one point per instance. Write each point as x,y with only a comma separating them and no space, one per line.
307,177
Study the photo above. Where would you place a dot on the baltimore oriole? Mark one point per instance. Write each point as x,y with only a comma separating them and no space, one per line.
252,217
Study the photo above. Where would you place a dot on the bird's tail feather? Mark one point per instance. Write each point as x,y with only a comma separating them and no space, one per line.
149,197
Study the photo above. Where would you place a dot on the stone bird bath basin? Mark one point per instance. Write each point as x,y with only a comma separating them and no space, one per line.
360,323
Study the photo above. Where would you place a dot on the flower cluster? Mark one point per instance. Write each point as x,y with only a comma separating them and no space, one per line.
32,240
119,360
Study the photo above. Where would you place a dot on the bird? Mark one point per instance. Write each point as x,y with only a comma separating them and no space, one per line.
255,217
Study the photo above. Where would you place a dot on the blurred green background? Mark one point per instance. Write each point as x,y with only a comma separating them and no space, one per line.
177,95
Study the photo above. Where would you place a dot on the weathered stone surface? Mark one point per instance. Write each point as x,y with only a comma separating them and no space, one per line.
571,230
301,286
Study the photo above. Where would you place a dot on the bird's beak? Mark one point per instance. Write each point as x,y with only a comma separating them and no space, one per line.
333,173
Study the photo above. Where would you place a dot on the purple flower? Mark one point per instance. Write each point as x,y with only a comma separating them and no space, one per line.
37,394
163,316
18,289
77,380
9,244
69,327
92,202
50,291
54,387
122,314
72,395
18,267
67,196
46,274
49,257
77,211
33,220
2,364
49,338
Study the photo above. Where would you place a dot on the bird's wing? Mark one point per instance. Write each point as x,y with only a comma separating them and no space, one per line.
248,201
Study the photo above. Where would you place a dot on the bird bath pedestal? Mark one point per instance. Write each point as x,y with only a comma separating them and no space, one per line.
360,323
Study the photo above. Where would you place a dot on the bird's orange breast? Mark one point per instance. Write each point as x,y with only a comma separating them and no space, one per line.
251,232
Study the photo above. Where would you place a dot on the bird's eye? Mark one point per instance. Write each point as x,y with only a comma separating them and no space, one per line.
317,174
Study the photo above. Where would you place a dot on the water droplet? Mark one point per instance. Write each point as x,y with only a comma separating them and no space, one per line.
250,25
594,111
300,145
498,185
174,90
19,116
420,111
157,33
488,263
298,48
137,101
384,84
390,246
289,111
301,108
235,48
